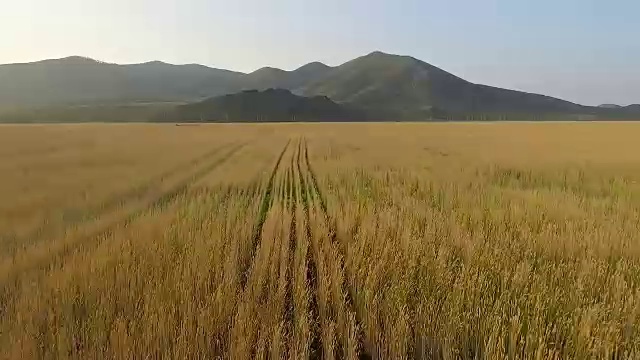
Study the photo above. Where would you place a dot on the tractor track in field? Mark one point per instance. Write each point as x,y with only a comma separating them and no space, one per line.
363,352
265,206
316,345
56,256
293,241
77,216
288,186
277,191
288,299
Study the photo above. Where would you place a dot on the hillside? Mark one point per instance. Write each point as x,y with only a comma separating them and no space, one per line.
271,105
619,112
77,80
610,106
267,77
107,113
382,85
409,88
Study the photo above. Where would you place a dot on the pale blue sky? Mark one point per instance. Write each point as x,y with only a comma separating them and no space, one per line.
586,51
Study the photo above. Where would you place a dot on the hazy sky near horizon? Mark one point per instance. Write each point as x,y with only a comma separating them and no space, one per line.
585,51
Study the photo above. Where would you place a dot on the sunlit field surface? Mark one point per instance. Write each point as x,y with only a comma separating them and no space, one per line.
436,241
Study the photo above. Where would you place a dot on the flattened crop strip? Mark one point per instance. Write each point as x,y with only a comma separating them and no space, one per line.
265,205
293,240
316,346
364,353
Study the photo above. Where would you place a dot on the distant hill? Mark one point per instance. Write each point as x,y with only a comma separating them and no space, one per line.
111,113
76,80
619,112
271,105
409,88
383,86
609,106
267,78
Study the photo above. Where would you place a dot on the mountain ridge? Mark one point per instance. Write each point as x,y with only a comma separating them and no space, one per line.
397,87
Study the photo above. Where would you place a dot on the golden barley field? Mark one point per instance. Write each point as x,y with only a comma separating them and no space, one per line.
325,241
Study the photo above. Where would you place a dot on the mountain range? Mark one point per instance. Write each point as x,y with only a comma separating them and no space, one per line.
380,85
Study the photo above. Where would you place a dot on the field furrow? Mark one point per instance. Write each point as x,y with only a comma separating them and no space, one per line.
311,271
349,326
75,216
261,324
265,206
293,350
42,258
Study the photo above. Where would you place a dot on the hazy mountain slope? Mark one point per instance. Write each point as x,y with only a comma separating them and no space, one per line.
406,87
268,77
112,113
77,80
264,78
271,105
381,85
157,80
630,112
609,106
58,81
482,98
